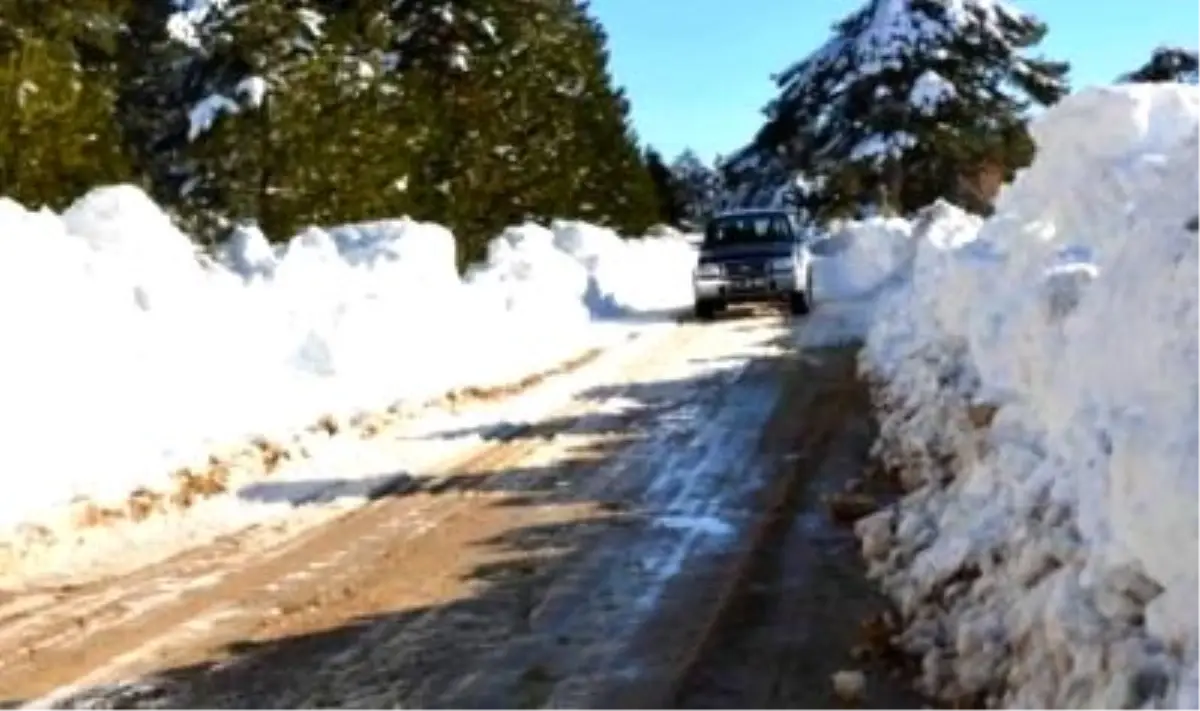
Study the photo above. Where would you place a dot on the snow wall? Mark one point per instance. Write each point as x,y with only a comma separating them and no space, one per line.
1037,375
128,354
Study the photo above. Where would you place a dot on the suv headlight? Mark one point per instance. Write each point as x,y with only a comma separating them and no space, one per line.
708,271
783,264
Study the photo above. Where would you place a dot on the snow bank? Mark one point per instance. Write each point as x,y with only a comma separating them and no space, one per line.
128,355
1050,354
854,262
860,257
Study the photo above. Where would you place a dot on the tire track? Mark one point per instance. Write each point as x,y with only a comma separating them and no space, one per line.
152,618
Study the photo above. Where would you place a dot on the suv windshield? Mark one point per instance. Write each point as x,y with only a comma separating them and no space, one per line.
748,229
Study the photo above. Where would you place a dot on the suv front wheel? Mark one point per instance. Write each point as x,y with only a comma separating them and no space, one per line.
800,303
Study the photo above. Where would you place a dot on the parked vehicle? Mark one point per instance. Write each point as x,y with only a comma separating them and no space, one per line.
753,256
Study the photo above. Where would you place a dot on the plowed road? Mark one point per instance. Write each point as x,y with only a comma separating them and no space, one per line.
578,558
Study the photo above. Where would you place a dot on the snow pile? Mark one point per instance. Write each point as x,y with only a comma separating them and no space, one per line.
128,355
634,276
1039,377
860,257
854,262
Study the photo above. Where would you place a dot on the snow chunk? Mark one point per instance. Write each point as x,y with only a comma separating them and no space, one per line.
252,90
930,91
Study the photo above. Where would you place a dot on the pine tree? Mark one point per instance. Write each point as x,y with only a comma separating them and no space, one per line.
615,187
57,77
270,111
907,100
699,188
665,188
1167,64
528,124
473,113
154,68
249,113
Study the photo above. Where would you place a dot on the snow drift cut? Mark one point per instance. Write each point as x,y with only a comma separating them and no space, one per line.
1051,357
128,354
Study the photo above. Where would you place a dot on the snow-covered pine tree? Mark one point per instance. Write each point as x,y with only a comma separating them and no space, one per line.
529,124
753,178
1167,64
247,109
155,69
908,99
473,113
273,111
699,187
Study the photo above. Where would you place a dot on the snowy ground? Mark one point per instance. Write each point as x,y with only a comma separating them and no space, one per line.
339,473
129,357
1039,382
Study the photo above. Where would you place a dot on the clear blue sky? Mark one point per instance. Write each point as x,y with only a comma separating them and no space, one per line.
698,72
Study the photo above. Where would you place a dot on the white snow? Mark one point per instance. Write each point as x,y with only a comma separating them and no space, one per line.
128,355
891,31
930,91
854,262
251,90
858,258
878,147
1053,561
183,24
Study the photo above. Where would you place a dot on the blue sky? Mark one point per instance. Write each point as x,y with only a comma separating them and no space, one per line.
698,72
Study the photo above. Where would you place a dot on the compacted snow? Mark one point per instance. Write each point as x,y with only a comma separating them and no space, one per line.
128,354
1039,377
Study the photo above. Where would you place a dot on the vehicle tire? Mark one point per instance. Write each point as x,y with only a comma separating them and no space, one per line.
799,303
705,310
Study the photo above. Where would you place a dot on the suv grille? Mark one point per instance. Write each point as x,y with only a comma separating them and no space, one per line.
745,269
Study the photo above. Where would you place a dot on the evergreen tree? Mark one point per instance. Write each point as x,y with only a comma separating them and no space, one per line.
528,124
665,188
1167,64
250,117
154,67
474,113
270,111
907,99
616,188
57,77
698,188
752,178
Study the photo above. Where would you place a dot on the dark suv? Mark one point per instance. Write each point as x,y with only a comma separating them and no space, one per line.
753,256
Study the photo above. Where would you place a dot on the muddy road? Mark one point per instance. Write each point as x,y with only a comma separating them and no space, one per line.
801,610
658,540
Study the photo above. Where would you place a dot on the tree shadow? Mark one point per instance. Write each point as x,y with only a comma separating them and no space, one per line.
640,398
533,605
559,565
314,492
